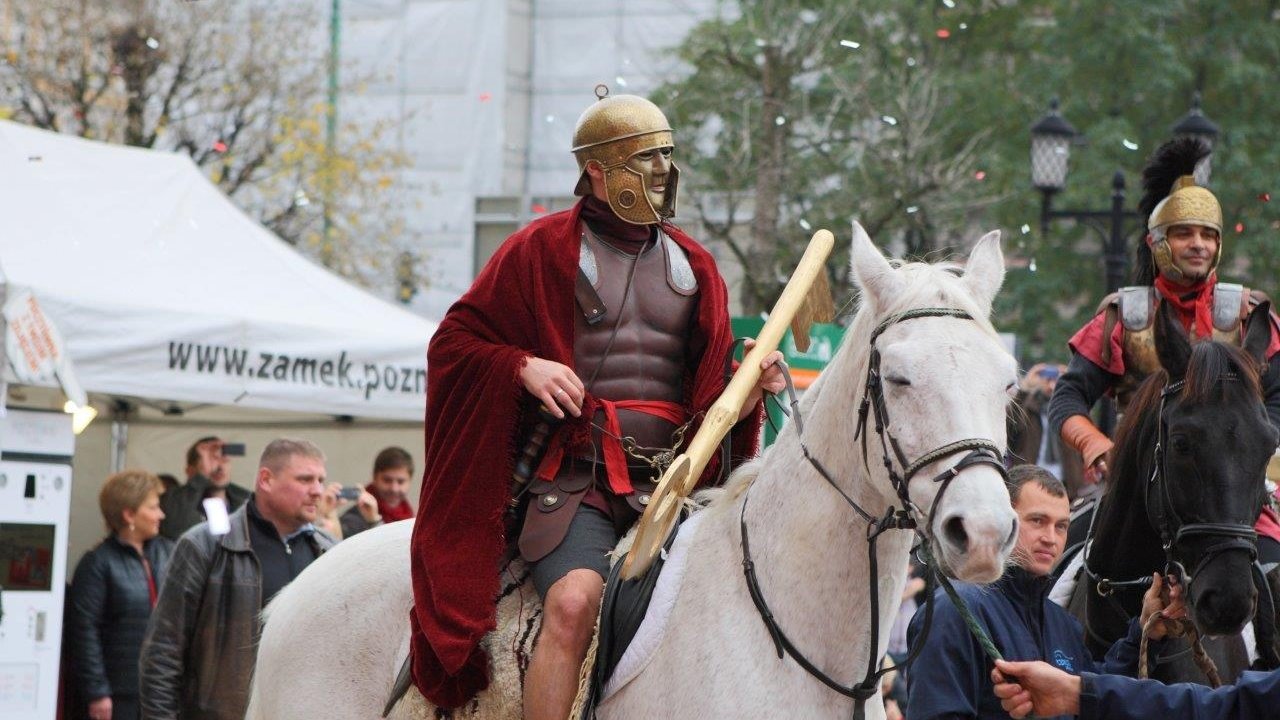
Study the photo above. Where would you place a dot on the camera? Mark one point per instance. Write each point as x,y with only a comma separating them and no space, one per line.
233,449
1050,373
349,493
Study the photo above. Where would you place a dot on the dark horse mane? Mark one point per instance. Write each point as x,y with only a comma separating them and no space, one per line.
1131,459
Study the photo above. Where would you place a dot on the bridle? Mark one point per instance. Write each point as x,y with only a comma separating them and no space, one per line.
1173,531
979,451
1164,516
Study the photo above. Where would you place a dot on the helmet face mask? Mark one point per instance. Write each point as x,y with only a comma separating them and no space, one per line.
629,140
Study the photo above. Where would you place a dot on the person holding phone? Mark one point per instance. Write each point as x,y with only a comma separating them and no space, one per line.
386,497
208,477
1030,440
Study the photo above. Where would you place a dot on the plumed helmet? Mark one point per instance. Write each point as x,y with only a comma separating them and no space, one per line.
1171,197
610,132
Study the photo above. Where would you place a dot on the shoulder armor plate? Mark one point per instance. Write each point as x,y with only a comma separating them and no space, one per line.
1228,300
679,271
587,262
1135,307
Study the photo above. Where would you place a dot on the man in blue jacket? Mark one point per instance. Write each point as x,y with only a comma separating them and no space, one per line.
1026,686
949,679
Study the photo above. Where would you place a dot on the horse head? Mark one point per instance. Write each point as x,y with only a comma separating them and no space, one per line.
939,383
1214,440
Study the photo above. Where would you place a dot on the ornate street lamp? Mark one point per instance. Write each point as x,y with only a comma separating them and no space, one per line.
1197,125
1051,139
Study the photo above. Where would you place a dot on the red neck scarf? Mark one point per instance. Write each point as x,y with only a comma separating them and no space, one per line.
1192,301
403,511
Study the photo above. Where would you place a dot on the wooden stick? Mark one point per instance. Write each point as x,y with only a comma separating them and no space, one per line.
683,474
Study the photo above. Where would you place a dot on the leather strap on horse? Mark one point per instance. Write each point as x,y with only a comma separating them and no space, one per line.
981,452
1179,628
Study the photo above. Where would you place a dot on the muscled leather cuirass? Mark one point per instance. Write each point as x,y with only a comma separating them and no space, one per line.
645,358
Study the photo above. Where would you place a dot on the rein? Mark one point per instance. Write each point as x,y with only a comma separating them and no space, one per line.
1173,531
979,452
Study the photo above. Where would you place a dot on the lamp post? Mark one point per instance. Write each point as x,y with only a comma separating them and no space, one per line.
1051,140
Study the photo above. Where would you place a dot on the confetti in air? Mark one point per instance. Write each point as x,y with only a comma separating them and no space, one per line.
779,120
1239,227
850,44
805,224
808,17
913,210
980,175
1265,197
949,3
220,147
550,118
1129,144
486,97
622,82
943,33
153,43
889,119
1032,265
1025,228
964,26
539,208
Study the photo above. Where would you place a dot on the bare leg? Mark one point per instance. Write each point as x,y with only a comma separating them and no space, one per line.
568,622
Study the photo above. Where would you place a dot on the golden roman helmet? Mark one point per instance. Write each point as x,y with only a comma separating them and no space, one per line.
610,132
1187,204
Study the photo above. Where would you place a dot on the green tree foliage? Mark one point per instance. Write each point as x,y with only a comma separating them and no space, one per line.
239,87
964,81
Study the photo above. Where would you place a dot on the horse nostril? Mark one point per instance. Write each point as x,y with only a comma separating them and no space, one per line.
953,530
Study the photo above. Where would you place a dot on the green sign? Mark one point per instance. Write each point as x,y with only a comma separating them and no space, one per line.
824,340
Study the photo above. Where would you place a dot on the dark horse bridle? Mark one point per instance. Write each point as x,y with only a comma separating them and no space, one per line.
1173,532
979,451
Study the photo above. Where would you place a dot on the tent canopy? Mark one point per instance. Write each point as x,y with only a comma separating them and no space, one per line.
161,288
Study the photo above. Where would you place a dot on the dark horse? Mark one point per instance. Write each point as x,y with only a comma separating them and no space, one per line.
1187,485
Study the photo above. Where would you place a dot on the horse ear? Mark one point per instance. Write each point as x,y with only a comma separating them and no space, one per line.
1172,345
984,273
877,278
1258,337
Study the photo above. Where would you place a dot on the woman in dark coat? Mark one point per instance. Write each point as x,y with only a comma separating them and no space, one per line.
112,595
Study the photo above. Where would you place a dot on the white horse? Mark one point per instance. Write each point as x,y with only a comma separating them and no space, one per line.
946,378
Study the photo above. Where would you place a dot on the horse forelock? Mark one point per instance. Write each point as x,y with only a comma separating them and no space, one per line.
1212,363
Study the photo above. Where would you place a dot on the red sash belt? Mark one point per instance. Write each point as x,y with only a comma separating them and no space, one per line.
615,458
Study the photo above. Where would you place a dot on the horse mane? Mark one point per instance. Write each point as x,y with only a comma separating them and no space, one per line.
937,284
1210,364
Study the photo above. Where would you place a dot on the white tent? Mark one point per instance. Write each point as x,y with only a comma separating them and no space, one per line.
163,289
165,294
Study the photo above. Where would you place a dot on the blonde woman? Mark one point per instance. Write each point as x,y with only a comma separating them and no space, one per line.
115,588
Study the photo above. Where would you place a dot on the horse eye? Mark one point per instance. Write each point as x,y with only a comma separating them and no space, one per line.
1180,445
898,380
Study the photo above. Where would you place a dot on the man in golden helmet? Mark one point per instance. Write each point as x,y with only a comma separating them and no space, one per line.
590,326
624,142
1176,267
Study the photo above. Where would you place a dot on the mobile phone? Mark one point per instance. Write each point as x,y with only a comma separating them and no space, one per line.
349,493
1050,373
233,449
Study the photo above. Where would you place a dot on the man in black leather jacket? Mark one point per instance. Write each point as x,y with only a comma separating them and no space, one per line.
198,655
208,476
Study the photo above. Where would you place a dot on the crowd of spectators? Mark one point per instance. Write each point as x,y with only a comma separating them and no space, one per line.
163,615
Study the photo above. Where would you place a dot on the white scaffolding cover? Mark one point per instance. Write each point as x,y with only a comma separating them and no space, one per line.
163,289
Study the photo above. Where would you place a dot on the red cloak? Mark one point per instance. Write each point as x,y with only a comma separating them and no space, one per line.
521,305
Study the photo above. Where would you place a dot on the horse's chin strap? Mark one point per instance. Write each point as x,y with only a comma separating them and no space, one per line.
980,452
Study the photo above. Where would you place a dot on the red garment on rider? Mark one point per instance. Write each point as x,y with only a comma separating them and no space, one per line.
1088,342
521,306
615,457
